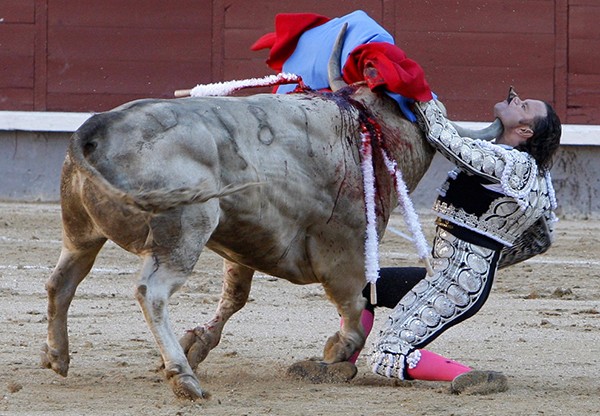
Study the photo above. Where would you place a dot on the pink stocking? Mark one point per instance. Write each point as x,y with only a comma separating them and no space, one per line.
366,319
434,367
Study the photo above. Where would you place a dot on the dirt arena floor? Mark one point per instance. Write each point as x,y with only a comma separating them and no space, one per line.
541,327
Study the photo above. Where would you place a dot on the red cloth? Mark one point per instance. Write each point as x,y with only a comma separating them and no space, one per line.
288,29
395,72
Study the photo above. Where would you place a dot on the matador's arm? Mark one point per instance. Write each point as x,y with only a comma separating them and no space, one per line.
514,169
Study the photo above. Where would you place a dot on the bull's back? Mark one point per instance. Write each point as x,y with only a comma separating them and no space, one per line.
163,143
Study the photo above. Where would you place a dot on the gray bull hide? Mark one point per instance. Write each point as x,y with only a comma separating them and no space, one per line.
272,183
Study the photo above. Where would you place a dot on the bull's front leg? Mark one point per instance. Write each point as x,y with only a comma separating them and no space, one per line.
198,342
335,367
345,291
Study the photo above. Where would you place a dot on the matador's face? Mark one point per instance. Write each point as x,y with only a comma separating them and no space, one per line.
517,117
514,112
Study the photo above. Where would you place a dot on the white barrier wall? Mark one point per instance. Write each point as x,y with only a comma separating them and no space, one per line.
33,146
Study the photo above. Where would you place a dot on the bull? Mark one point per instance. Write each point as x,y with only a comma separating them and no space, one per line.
271,183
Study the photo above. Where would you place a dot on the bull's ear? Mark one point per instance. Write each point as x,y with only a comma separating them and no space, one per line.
334,69
372,77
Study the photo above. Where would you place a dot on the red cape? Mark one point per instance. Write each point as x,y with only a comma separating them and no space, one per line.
288,29
395,72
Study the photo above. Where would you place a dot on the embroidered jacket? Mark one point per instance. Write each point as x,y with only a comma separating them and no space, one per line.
495,191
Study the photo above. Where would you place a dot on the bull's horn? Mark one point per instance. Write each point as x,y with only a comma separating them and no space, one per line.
511,94
491,132
334,70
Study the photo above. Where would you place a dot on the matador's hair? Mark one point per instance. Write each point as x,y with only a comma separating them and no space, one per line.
544,142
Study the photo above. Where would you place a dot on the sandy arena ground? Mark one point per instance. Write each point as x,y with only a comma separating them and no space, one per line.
541,327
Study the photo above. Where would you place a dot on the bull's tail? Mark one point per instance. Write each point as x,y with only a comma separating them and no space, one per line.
163,199
154,201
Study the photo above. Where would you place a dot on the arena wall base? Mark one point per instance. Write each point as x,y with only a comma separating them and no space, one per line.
30,165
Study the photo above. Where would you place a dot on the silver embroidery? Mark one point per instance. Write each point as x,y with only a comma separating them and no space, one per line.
434,302
413,359
505,220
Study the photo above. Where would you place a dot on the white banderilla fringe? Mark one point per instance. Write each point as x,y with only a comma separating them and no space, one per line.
410,216
371,239
227,87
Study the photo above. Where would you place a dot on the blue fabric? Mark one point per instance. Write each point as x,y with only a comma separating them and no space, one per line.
310,59
311,56
405,104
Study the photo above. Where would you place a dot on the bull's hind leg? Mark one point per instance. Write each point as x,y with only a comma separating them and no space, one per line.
73,265
158,280
198,342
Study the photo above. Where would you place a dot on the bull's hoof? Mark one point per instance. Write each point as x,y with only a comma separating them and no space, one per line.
319,372
196,344
187,387
479,382
52,359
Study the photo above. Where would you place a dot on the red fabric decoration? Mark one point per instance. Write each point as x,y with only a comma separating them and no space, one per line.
394,71
288,29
